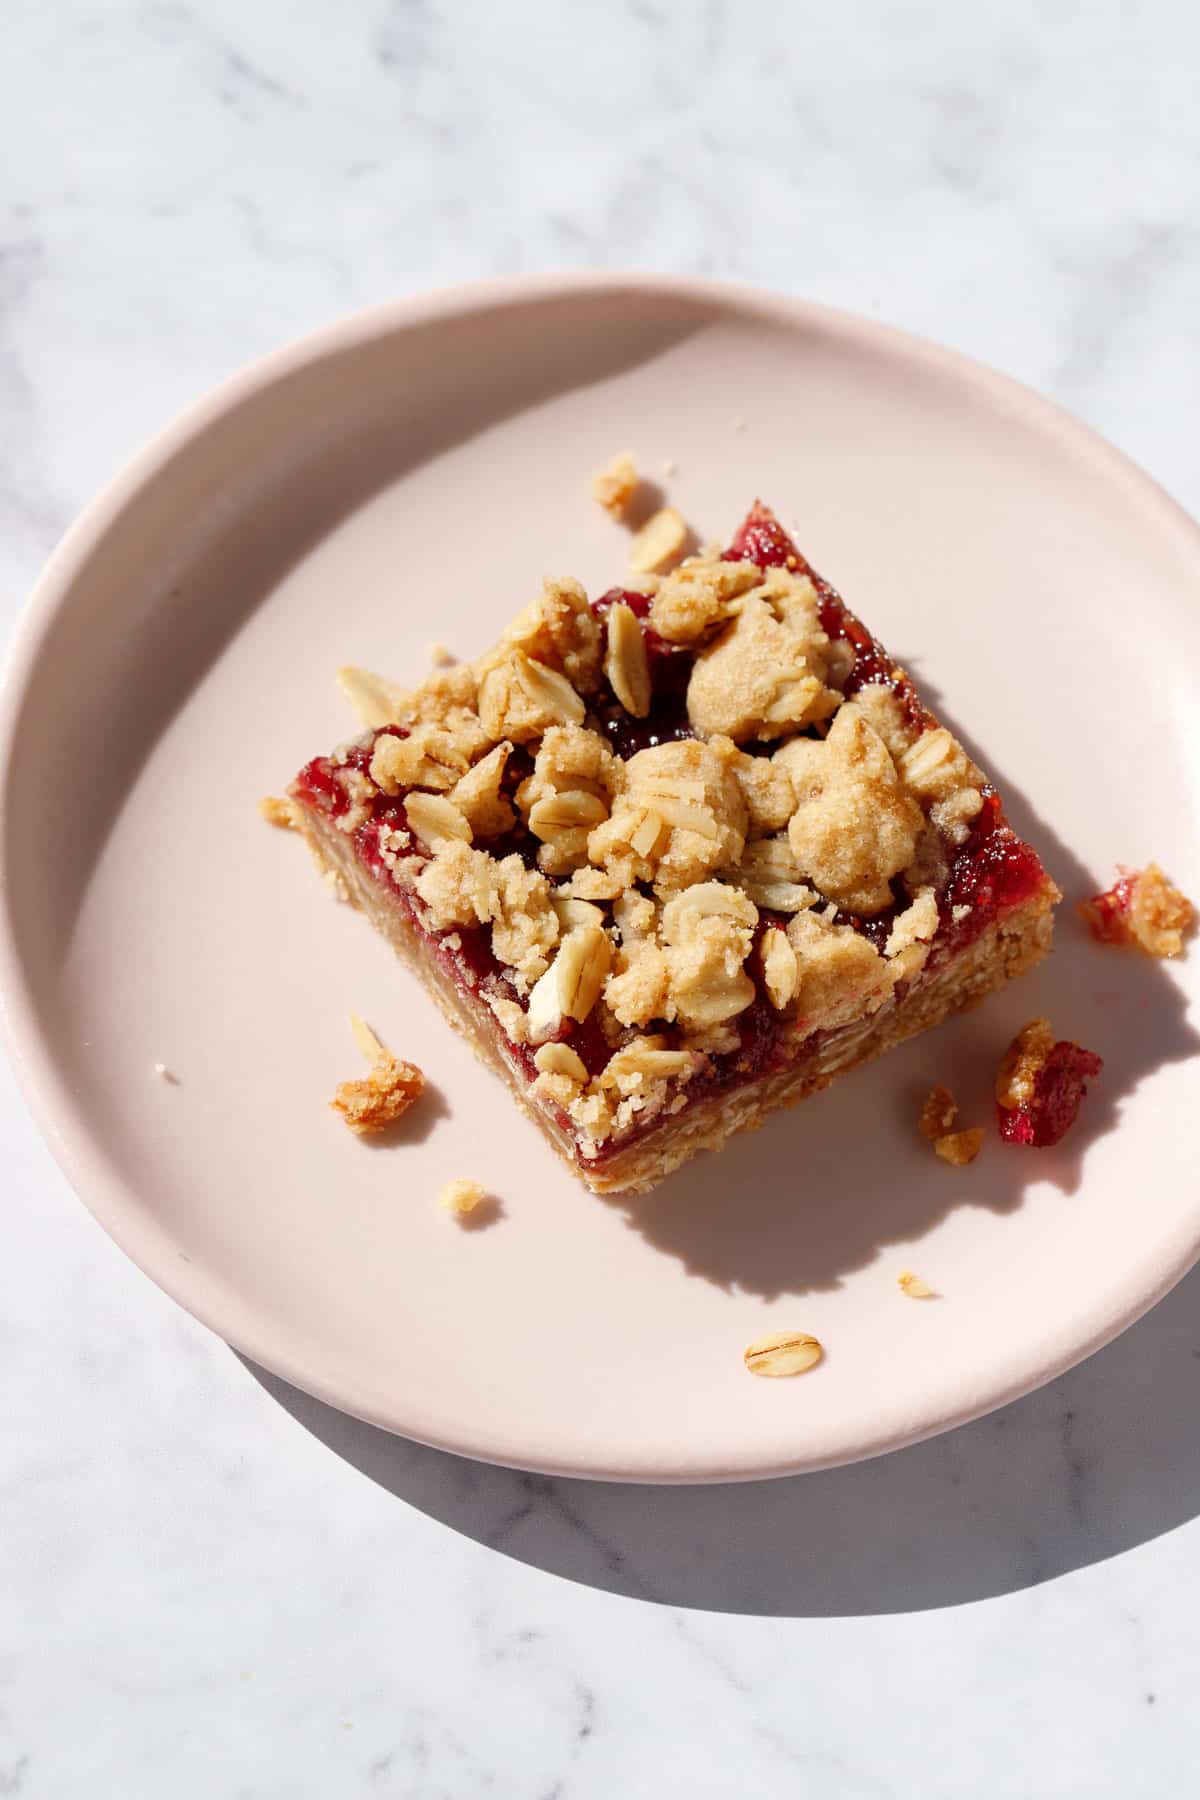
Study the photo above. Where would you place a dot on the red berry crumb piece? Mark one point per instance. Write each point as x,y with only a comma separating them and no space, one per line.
1041,1086
1141,908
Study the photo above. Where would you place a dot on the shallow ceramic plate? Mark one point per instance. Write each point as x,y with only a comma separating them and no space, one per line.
409,476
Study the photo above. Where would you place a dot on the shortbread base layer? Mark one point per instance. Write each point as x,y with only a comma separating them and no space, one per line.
1003,950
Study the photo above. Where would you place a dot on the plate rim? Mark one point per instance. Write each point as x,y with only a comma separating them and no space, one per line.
110,1200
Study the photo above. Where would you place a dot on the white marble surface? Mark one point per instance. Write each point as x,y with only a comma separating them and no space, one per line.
210,1586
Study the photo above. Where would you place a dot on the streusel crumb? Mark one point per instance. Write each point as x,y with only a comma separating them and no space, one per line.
278,811
614,487
913,1286
960,1147
1142,908
938,1114
385,1094
462,1196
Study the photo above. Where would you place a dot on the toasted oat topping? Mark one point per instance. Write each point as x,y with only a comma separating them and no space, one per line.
661,542
614,487
626,663
385,1094
376,701
914,1287
783,1353
1142,908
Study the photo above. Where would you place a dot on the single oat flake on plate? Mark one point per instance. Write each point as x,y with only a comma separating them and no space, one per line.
678,854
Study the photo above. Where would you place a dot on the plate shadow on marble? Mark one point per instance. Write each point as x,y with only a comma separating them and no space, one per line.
1104,1459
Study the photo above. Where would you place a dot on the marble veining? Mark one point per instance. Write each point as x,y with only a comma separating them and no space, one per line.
211,1585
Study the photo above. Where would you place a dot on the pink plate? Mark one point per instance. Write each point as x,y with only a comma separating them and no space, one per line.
409,476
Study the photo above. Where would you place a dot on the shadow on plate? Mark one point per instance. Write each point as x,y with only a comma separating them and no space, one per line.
856,1178
1102,1460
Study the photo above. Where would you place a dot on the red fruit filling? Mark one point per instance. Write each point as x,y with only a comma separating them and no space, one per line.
1058,1093
670,672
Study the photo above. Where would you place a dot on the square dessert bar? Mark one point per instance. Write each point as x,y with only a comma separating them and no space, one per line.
680,856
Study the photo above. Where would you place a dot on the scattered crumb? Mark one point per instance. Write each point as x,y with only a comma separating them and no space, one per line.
670,468
739,424
384,1095
660,543
439,655
1141,908
462,1197
938,1114
1041,1084
278,811
914,1287
783,1353
166,1074
335,881
614,487
937,1117
960,1147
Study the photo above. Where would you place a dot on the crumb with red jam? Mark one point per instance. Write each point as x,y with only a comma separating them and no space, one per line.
1041,1085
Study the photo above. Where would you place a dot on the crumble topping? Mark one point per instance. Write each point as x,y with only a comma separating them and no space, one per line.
480,798
700,595
679,818
770,874
939,772
461,885
385,1094
559,631
614,487
764,675
854,827
575,778
841,976
521,699
1142,908
661,541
